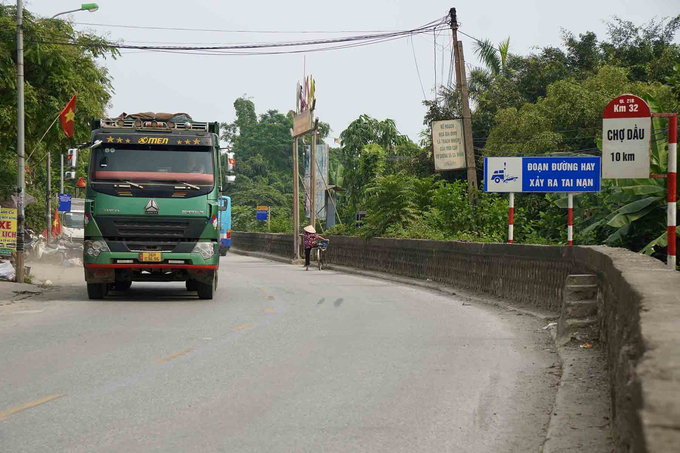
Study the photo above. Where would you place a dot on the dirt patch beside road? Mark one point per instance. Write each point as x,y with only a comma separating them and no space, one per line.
58,275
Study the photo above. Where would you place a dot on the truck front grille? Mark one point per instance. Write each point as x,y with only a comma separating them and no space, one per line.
151,229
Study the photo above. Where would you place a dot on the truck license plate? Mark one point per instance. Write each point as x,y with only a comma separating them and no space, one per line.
151,257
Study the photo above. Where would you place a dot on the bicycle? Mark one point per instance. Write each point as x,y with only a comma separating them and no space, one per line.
321,246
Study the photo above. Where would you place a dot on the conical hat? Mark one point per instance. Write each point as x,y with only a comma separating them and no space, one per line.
309,229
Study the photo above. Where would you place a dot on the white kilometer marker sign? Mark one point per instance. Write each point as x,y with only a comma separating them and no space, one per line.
626,135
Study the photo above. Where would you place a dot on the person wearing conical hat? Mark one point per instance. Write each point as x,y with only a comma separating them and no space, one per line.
310,237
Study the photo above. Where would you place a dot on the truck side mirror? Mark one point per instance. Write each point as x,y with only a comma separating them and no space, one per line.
223,208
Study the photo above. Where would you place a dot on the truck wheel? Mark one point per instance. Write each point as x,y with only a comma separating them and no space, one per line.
223,252
122,286
192,285
96,291
207,290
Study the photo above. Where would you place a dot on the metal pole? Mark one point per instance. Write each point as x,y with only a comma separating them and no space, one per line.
461,85
312,181
511,218
454,29
48,217
570,222
296,201
20,143
672,189
467,130
61,175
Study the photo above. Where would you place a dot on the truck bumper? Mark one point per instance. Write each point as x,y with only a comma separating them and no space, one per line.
107,268
111,273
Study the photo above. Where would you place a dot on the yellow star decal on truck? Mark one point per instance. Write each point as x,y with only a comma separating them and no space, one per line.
109,139
196,141
120,140
127,140
179,142
187,141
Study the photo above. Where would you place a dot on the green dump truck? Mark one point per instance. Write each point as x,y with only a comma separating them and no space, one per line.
151,212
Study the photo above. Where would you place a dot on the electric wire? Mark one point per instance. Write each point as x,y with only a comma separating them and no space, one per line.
140,27
418,70
434,35
249,48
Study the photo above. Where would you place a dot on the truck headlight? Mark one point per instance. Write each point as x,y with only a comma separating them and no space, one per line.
206,249
94,248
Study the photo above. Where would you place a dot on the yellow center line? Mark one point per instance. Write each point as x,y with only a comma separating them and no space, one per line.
174,356
270,310
244,326
6,413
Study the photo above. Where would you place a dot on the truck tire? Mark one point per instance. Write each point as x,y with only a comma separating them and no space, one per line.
223,252
96,291
207,291
122,286
192,285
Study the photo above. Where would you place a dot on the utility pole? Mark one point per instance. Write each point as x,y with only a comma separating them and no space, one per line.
20,144
296,200
61,181
461,86
48,217
312,180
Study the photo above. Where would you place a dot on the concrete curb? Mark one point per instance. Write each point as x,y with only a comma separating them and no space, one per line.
581,416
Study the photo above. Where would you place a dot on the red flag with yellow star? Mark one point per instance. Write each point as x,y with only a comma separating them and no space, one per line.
56,224
67,116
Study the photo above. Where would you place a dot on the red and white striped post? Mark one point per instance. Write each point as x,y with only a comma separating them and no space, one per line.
570,222
672,188
511,217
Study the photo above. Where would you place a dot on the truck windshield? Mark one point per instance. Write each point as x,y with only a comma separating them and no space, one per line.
134,163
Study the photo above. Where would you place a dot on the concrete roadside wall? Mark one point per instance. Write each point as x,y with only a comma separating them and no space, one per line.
639,309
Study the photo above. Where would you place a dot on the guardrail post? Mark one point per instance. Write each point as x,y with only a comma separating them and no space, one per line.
570,223
672,189
511,218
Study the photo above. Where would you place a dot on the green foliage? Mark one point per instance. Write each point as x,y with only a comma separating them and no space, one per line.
341,229
53,74
243,218
389,202
362,132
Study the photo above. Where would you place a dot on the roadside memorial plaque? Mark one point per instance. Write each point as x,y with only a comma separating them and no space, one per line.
449,149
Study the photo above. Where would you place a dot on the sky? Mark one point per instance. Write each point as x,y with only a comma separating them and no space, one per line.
379,80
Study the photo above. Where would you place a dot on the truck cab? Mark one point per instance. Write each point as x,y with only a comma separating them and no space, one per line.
152,206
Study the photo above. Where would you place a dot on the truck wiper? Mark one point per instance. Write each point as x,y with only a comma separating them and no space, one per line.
133,184
191,186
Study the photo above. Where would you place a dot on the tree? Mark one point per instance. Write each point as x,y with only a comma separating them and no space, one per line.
53,73
647,50
496,61
362,132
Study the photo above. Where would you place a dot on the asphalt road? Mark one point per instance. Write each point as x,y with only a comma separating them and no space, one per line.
283,360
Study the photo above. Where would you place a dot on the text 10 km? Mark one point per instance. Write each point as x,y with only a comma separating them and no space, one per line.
625,157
